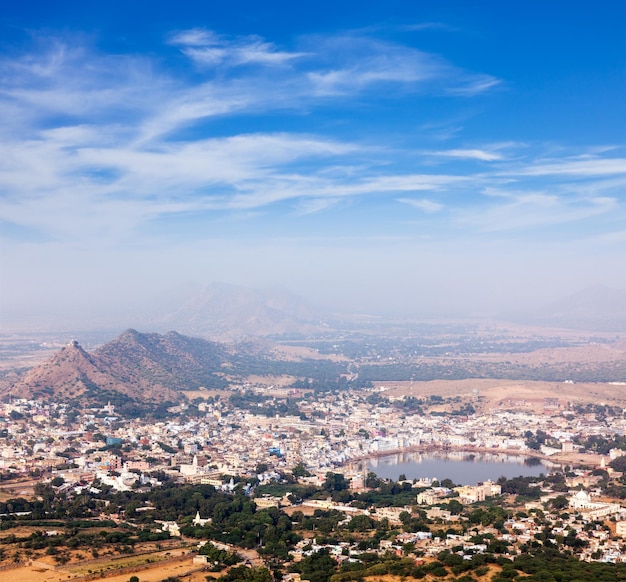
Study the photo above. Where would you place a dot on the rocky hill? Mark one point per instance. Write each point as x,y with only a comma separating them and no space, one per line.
172,360
67,375
136,368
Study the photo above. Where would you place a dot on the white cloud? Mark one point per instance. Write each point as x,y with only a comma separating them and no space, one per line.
428,26
352,62
402,67
469,154
122,187
474,86
315,205
425,205
582,168
254,52
195,37
532,210
411,182
207,48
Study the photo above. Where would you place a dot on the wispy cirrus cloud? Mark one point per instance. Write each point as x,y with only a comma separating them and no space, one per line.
428,206
428,26
334,65
592,167
352,62
315,205
469,154
348,63
194,37
472,85
207,48
528,210
88,153
246,171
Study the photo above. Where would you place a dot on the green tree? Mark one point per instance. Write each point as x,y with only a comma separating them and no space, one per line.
300,471
559,502
335,482
318,567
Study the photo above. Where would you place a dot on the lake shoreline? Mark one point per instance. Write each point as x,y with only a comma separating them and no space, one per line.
461,462
583,459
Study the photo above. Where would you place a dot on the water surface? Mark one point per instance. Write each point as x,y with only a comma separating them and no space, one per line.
462,467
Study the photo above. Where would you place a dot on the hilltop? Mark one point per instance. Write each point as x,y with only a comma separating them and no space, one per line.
143,371
142,368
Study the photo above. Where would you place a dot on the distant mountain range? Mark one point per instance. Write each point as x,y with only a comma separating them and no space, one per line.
595,308
225,311
145,369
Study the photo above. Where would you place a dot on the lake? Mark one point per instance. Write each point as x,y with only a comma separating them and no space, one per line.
462,467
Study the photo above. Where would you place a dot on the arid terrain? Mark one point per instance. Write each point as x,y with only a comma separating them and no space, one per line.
151,567
493,394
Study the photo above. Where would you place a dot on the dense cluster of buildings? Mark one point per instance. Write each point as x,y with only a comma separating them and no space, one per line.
332,433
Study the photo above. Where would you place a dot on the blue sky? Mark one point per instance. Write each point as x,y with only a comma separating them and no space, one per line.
422,157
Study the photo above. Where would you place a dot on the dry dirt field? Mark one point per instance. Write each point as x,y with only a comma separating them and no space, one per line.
490,392
12,489
206,394
295,353
154,572
593,353
277,381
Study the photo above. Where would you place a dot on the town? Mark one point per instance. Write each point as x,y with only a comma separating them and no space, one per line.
313,460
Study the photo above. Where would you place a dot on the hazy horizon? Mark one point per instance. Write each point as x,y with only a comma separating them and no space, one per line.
430,159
